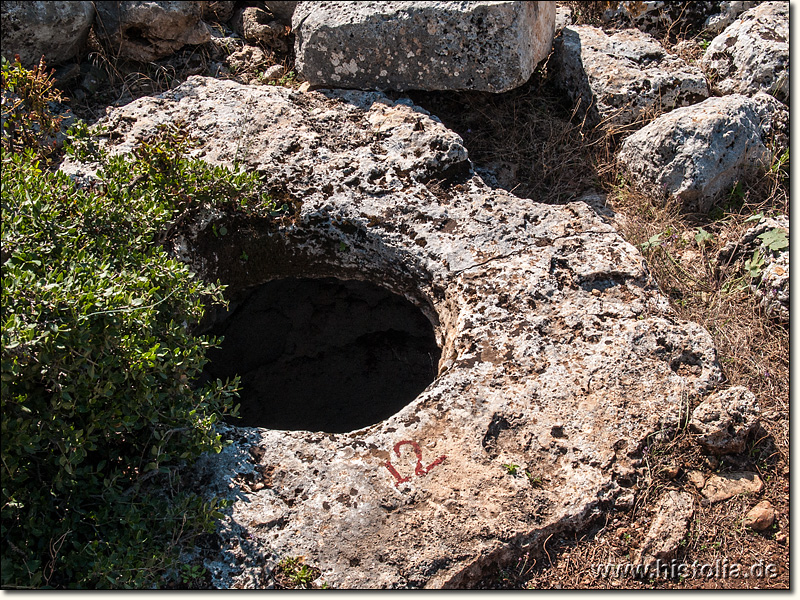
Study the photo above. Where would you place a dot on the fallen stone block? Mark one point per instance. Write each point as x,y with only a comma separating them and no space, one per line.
625,77
697,153
752,54
487,46
55,30
147,31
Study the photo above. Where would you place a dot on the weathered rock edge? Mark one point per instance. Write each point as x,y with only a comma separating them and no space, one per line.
559,355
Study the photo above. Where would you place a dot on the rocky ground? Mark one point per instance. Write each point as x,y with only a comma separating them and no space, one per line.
715,490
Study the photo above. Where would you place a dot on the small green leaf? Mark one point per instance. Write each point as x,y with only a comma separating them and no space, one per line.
702,237
774,239
653,242
756,217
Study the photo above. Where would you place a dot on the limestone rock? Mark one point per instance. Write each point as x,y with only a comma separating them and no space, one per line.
55,30
696,478
673,514
558,352
752,54
282,10
625,77
698,152
658,17
761,516
772,284
217,11
723,421
486,46
257,26
728,485
147,31
728,11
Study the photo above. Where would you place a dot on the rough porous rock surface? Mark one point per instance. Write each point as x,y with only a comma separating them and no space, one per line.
723,421
772,285
147,31
55,30
761,516
698,152
727,485
728,11
558,352
656,16
487,46
257,26
671,524
217,11
624,77
752,54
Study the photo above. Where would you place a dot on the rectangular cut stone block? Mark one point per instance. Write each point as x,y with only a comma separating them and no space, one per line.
487,46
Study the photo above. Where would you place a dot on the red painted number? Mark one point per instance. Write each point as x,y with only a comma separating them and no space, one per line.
419,470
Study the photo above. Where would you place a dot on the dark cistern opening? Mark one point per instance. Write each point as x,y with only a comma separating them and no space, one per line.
324,354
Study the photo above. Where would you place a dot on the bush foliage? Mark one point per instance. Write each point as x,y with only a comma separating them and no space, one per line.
99,406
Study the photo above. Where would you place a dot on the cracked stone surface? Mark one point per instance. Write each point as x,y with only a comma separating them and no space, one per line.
624,77
559,355
487,46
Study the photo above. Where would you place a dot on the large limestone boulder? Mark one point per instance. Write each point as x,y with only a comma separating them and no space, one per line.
723,421
488,46
55,30
558,353
697,153
625,77
147,31
752,54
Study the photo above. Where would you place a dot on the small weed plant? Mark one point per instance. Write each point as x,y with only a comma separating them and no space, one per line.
100,412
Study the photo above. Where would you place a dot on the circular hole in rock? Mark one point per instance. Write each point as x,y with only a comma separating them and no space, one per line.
324,354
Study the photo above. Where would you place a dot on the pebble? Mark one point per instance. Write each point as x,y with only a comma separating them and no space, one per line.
760,517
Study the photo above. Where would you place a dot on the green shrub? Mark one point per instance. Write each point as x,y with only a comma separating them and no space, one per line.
99,406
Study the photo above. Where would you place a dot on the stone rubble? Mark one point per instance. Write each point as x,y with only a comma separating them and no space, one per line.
721,487
623,78
258,27
559,354
488,46
723,421
671,524
752,54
